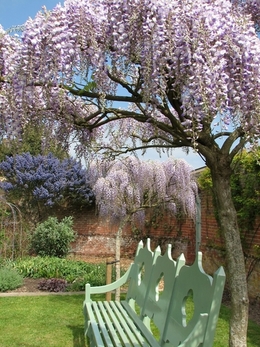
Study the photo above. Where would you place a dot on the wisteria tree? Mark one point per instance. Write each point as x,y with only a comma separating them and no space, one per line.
37,181
121,75
126,188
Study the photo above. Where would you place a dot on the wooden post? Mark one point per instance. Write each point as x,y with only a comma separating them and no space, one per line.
108,278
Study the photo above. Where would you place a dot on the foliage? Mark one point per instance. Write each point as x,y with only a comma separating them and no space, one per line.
9,279
36,140
245,187
245,184
205,180
45,179
53,285
53,238
76,273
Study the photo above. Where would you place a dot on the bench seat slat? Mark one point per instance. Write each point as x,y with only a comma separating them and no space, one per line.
141,326
134,326
103,328
129,326
114,320
93,329
122,327
109,323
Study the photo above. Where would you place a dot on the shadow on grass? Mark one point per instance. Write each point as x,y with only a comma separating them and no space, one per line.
78,335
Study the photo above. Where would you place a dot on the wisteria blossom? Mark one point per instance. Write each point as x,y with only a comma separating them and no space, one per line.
124,75
127,187
210,66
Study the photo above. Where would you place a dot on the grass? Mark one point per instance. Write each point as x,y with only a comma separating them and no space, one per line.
222,331
55,321
36,321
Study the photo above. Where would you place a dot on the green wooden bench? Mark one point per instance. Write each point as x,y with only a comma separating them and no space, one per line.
128,322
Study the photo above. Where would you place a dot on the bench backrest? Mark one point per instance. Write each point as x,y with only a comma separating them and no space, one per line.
167,308
206,295
148,270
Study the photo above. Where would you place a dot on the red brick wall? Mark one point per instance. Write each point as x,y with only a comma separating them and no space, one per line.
96,238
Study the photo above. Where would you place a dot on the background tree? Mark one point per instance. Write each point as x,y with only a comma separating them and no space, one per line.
35,139
125,189
163,74
245,187
38,181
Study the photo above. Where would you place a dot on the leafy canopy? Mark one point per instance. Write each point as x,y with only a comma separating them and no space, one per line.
245,187
35,139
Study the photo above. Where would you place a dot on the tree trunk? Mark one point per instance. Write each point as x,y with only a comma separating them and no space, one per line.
236,271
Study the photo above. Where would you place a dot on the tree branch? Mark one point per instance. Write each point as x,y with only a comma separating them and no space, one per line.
93,95
238,132
124,85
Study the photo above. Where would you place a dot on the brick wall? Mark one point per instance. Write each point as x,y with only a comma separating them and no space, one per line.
96,238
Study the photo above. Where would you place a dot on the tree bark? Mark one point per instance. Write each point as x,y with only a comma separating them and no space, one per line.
235,263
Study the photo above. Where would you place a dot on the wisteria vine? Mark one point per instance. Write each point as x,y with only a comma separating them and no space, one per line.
128,187
177,66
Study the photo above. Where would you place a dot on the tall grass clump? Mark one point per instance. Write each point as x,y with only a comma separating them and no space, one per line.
9,279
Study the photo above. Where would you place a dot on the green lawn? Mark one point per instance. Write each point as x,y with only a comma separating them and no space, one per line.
57,321
37,321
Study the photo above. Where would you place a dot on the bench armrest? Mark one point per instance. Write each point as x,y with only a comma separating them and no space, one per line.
107,287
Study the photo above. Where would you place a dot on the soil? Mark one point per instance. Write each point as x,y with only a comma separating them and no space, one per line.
30,285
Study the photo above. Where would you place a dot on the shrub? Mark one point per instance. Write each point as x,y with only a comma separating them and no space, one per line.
74,272
52,238
45,179
9,279
53,285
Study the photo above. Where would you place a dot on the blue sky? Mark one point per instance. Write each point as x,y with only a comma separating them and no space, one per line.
16,12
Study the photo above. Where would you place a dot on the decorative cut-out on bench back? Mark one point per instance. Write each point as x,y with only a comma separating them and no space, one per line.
157,302
141,272
206,298
148,270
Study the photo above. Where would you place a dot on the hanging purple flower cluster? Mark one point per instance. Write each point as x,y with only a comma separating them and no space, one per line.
203,53
46,179
128,186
